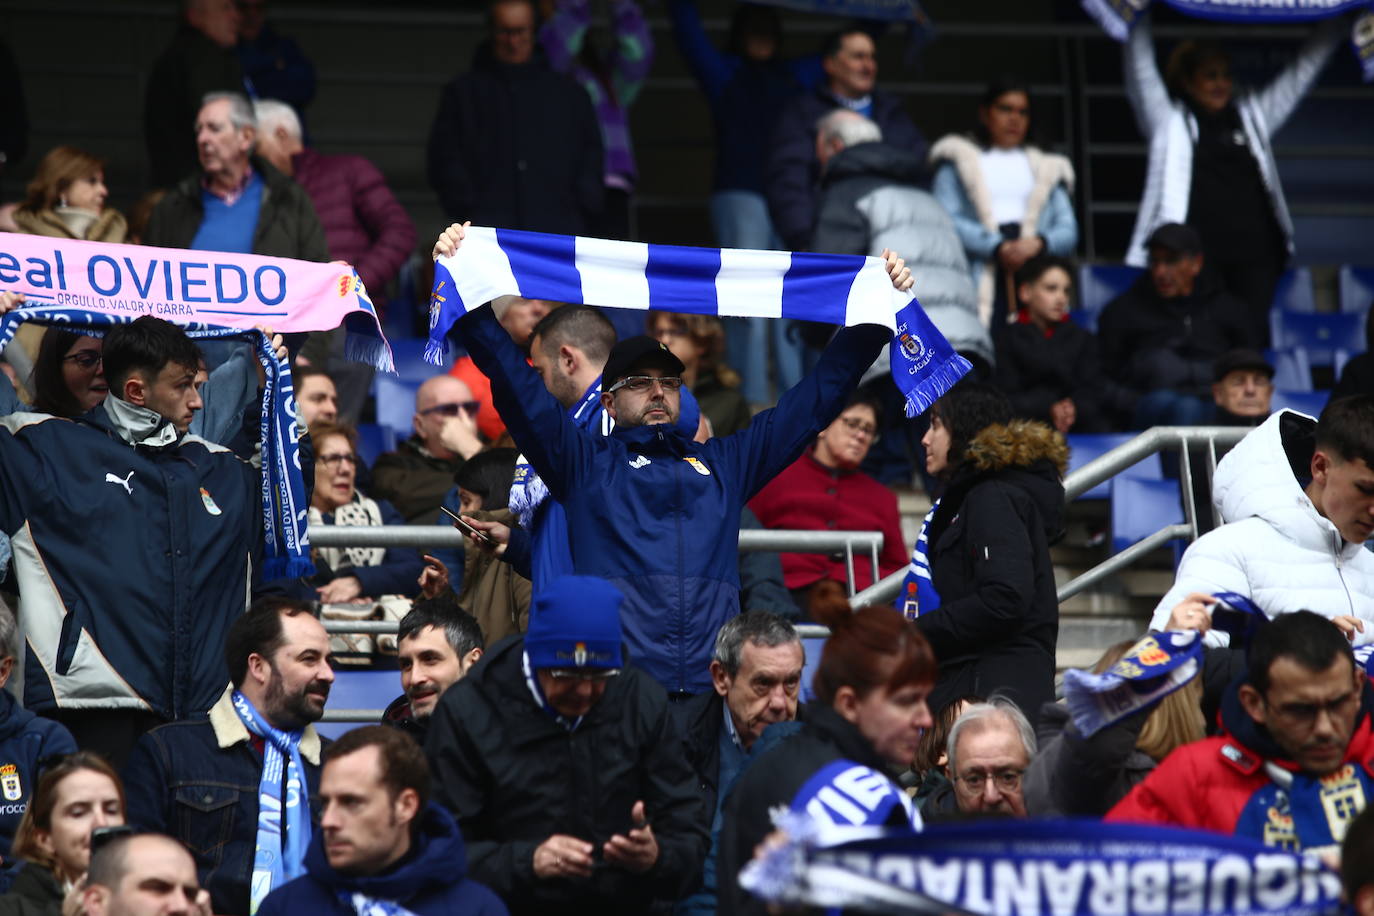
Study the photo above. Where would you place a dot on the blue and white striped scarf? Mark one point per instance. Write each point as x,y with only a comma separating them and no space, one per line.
836,289
286,546
918,595
282,795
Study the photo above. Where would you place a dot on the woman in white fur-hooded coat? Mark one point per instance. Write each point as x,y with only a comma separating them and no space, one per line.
988,181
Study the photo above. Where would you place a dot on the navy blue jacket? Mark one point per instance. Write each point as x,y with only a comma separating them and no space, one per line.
430,879
25,739
197,782
131,562
653,511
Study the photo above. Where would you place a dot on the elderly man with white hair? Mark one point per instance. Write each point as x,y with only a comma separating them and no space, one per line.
363,222
236,201
990,747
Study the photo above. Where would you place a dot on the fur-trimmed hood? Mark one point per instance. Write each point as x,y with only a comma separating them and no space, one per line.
1020,443
1026,454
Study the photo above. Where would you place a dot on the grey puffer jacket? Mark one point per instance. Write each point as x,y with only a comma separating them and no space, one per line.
870,201
1073,776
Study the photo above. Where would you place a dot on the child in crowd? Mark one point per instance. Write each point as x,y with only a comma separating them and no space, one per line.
1047,365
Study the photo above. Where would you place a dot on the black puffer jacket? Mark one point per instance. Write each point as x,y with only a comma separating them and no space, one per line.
513,777
775,774
1149,343
998,620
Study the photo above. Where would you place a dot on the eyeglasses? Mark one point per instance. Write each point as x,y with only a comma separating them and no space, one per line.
858,427
1305,714
333,461
452,408
583,674
641,383
1005,780
86,359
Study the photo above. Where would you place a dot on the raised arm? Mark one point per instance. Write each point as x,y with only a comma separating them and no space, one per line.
1145,87
1277,100
712,67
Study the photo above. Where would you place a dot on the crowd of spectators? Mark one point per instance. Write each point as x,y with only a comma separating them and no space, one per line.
601,699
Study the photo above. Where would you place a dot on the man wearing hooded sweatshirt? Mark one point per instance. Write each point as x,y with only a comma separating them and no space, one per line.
382,846
1297,499
1291,767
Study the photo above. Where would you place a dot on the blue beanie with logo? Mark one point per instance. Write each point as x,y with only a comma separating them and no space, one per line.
575,623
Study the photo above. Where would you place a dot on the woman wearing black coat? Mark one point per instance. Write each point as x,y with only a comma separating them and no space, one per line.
995,628
870,709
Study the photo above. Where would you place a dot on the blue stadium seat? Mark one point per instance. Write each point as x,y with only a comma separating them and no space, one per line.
395,403
1099,284
373,440
1308,402
1357,289
1141,507
1292,371
359,690
812,646
1321,334
1294,291
1084,447
409,353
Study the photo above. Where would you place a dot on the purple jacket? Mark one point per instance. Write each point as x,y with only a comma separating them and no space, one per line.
363,222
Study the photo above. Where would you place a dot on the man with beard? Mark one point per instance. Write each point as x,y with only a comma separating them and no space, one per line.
235,788
436,644
1291,765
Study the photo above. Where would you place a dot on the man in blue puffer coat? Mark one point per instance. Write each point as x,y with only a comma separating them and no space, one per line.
648,508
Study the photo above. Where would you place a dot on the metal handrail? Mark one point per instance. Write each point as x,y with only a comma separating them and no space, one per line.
1100,469
750,541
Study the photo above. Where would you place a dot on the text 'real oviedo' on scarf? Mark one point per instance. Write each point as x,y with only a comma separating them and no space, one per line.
286,543
195,287
835,289
1118,17
1010,867
282,799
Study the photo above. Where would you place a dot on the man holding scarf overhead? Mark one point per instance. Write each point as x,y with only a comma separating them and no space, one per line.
648,508
236,788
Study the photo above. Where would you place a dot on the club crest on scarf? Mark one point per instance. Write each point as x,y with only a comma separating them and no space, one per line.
1150,670
836,289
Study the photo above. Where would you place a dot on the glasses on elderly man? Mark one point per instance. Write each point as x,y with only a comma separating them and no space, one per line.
639,383
1005,780
582,674
451,409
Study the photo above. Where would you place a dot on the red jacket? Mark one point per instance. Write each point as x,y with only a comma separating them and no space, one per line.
363,222
1222,784
809,496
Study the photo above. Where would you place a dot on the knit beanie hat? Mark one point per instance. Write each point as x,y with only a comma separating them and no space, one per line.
575,623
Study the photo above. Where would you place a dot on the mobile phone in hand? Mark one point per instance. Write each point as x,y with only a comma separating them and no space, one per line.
480,537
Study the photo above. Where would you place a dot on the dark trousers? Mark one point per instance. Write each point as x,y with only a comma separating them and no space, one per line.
1252,282
111,733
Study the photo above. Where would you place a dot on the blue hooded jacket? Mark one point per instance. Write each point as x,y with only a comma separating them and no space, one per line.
25,739
430,879
653,511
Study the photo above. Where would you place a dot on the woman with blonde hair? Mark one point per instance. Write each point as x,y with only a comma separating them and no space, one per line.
75,796
1074,776
66,199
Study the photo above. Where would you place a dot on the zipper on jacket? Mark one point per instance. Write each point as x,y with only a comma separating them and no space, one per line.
681,590
1340,574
